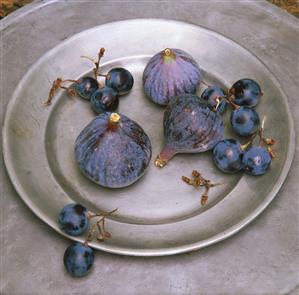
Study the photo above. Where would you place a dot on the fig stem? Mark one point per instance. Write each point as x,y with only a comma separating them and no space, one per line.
168,52
168,55
114,118
165,155
160,163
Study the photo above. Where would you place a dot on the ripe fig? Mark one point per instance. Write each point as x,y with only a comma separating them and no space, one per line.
170,73
113,150
190,126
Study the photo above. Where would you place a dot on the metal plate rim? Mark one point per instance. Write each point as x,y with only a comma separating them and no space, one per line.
142,252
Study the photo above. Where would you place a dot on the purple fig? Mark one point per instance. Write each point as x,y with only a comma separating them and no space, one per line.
190,126
113,150
170,73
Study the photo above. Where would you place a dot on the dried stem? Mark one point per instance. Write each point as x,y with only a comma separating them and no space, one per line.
218,100
205,83
96,62
58,84
268,142
199,181
229,99
90,235
100,214
99,225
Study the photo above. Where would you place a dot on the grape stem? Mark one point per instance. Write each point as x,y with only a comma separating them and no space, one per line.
96,62
205,83
218,100
199,181
58,84
99,225
227,97
100,214
267,142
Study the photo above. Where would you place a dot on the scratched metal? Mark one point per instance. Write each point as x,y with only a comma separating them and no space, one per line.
159,215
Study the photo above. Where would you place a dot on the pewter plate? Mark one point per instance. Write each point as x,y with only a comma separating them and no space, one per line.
158,215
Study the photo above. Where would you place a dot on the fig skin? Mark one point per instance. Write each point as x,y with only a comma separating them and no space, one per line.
190,126
170,73
113,150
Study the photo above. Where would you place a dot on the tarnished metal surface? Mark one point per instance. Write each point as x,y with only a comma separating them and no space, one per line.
183,274
159,215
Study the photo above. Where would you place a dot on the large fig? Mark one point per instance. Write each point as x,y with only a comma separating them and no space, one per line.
190,126
170,73
113,150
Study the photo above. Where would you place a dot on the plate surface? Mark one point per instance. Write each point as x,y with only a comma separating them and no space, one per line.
158,215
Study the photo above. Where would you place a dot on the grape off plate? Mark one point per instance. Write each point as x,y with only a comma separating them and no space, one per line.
159,214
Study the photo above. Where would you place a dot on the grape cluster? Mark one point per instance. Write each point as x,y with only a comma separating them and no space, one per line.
228,154
74,219
118,82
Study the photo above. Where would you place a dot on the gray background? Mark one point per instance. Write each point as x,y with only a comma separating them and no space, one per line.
261,259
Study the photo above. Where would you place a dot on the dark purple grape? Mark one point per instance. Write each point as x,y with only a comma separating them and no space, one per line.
86,87
256,160
113,150
104,100
78,259
190,126
227,155
214,93
245,121
73,219
120,79
170,73
246,92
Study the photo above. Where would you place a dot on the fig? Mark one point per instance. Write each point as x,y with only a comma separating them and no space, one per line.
190,126
170,73
113,150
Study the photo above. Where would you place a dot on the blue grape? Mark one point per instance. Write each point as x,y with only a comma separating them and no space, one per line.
86,87
78,259
211,94
246,92
256,160
104,100
120,79
227,155
73,219
245,121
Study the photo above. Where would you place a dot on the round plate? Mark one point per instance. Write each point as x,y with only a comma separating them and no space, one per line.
158,215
